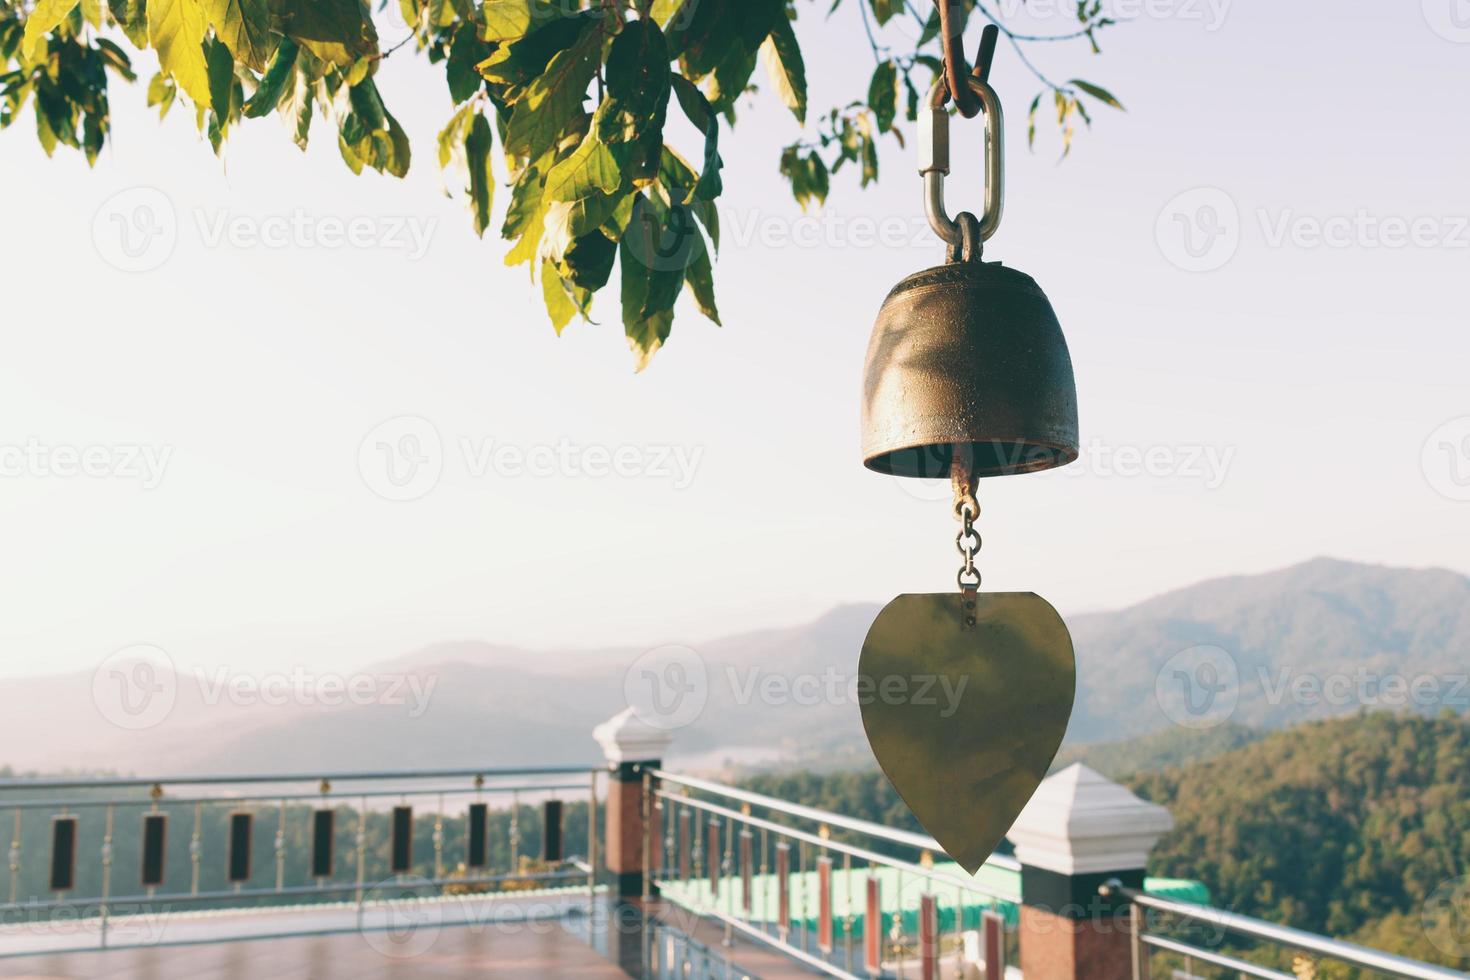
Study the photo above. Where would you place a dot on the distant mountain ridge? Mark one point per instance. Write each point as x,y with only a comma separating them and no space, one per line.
494,704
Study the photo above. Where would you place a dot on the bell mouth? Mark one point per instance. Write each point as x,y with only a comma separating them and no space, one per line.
994,457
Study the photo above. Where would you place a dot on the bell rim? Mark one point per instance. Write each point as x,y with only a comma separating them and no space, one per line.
1063,452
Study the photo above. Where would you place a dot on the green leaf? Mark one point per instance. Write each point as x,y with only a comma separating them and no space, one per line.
886,10
883,95
551,102
221,66
507,20
652,277
782,56
590,169
275,83
92,13
1097,92
45,18
297,106
702,115
244,27
465,52
559,305
176,29
338,32
161,92
132,17
477,147
637,102
701,279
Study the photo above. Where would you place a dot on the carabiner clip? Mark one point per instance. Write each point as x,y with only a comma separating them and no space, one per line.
934,160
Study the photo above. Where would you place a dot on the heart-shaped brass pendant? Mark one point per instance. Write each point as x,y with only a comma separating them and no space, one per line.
966,709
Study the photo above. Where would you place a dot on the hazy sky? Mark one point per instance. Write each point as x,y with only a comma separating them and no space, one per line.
1302,391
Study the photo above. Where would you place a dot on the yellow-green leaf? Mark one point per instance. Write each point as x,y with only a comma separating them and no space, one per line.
47,16
782,57
244,26
177,28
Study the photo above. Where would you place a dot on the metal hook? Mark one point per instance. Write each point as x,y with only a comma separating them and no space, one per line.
954,62
934,160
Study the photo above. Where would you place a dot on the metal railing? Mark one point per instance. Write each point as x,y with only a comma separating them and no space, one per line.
1230,923
822,888
343,837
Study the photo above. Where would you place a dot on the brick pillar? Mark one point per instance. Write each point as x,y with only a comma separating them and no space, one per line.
1077,832
632,747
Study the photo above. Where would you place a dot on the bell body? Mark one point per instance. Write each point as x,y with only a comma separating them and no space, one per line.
968,357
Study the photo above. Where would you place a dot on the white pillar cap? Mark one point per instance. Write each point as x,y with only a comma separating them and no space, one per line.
1080,822
627,738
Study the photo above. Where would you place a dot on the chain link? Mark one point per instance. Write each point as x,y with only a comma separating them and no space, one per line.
966,511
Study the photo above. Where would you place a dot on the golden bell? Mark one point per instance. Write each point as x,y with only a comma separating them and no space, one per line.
968,354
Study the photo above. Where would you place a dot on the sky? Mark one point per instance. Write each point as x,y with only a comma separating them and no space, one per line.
206,442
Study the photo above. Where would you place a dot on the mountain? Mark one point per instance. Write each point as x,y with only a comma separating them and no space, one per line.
1157,750
1237,651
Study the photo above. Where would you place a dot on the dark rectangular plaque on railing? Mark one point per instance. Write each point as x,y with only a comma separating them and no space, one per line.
929,938
824,904
712,860
477,856
551,831
155,834
873,929
783,889
63,853
402,848
322,824
241,825
684,844
747,869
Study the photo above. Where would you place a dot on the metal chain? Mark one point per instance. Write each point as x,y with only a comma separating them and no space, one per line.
966,511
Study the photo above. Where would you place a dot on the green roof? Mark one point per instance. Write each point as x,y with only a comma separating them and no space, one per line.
898,889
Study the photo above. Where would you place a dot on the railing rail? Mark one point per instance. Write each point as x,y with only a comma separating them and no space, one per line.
230,858
780,885
1352,954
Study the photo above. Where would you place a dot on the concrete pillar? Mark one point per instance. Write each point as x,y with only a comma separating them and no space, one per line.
1078,831
631,747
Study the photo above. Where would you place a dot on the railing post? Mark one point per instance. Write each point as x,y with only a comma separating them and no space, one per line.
1079,831
632,748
